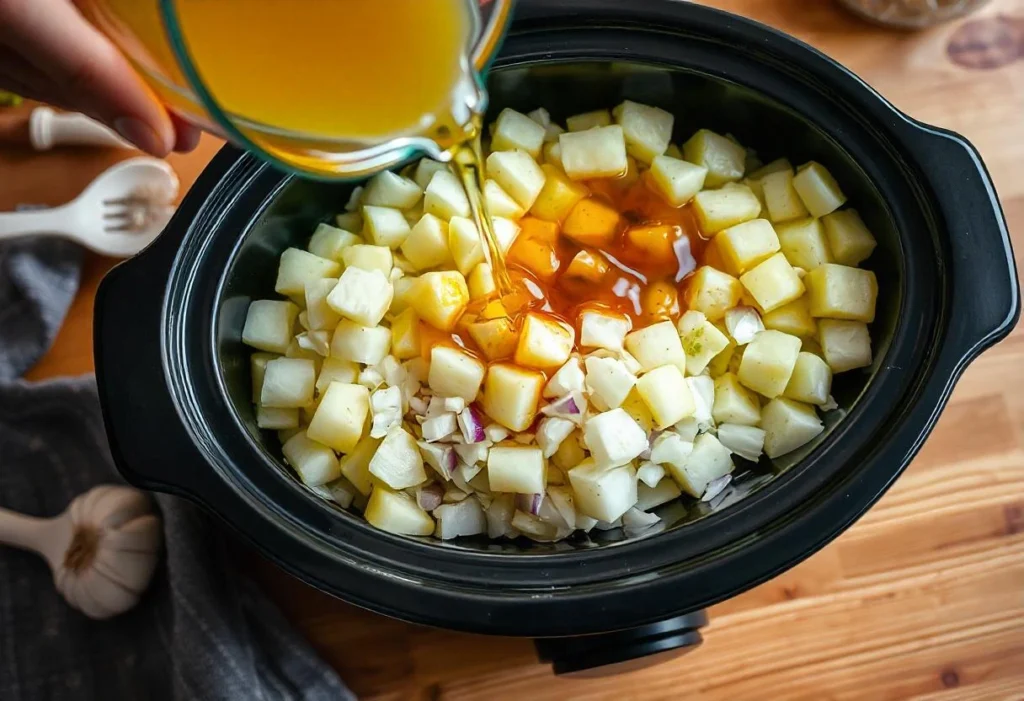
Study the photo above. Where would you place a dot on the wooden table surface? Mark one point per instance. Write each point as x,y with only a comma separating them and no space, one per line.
922,598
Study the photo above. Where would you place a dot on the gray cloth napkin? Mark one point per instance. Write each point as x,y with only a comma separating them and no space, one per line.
201,631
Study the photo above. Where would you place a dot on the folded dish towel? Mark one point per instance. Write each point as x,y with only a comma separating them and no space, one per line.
200,632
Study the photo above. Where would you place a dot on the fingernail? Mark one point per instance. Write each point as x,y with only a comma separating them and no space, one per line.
141,134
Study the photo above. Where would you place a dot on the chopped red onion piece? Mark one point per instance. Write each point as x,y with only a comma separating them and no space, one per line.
472,425
716,487
568,407
637,520
529,503
499,515
430,496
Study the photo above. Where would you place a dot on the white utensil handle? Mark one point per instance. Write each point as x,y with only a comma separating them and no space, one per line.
44,222
20,531
48,128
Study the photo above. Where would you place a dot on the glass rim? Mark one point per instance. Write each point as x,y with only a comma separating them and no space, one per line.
485,40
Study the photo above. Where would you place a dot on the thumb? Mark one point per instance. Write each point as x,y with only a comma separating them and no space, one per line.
85,70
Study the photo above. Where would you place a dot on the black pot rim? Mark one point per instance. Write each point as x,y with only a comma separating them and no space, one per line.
642,581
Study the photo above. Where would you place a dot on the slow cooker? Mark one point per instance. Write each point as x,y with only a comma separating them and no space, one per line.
174,376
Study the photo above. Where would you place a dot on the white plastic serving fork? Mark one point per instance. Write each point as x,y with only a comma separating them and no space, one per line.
118,214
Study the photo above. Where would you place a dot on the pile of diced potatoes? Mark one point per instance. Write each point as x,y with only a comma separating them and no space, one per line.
550,425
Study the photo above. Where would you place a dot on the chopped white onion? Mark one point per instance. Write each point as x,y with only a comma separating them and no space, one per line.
650,474
461,519
496,433
318,342
702,387
551,431
830,404
386,407
745,441
439,426
473,453
637,520
605,526
743,324
455,404
499,515
533,527
370,378
687,429
561,498
670,449
440,457
716,487
454,495
568,378
418,406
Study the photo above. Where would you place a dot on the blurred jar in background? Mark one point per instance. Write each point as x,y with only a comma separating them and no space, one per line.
912,14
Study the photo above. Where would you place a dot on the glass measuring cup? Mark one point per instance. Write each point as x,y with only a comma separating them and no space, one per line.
194,53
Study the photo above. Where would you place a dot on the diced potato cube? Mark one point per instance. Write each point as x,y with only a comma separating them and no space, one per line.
656,345
315,463
778,165
505,232
499,203
298,267
600,328
360,344
511,395
445,197
515,130
842,292
701,341
773,283
647,129
257,369
734,403
328,242
724,159
405,335
845,344
793,318
427,243
614,438
713,292
594,153
708,461
268,325
848,237
387,189
517,470
539,257
650,497
544,343
404,290
276,419
397,512
558,196
288,383
666,394
553,154
635,406
425,169
731,205
497,338
518,174
589,120
540,115
803,243
336,370
788,425
355,466
319,315
608,381
362,296
721,363
455,373
677,181
349,221
780,197
818,189
340,416
768,362
587,266
481,282
465,244
367,257
440,298
385,226
397,462
743,246
592,223
601,492
811,381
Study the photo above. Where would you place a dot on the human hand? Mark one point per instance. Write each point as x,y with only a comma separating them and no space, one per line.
50,53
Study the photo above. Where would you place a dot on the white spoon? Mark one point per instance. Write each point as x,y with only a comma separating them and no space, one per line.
119,214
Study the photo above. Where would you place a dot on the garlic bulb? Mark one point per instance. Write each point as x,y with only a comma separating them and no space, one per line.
103,549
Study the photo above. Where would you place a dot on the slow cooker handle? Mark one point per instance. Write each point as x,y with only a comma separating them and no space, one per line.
149,444
985,290
621,651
